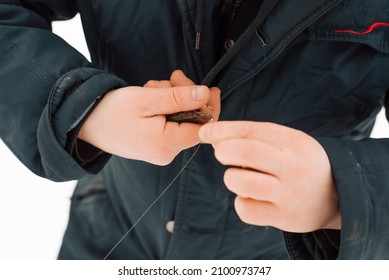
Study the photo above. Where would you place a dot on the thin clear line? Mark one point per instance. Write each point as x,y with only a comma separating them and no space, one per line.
154,202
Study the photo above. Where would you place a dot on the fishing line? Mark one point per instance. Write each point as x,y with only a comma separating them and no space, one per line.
265,9
154,202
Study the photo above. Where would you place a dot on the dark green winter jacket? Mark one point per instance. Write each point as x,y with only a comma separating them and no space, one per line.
321,66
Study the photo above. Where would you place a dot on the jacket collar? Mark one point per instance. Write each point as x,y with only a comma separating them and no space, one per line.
292,17
288,20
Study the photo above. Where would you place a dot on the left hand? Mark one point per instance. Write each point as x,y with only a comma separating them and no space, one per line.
282,177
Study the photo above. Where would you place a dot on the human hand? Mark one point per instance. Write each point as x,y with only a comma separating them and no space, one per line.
205,114
281,176
130,122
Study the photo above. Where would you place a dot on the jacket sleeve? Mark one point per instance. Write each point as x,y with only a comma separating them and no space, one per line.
361,173
46,86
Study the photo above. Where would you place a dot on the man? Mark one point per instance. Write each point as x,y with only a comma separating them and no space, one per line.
299,84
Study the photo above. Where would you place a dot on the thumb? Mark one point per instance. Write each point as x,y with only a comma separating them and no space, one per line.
163,101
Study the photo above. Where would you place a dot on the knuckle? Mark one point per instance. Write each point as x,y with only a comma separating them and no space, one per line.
241,208
219,154
230,179
166,159
147,84
151,83
176,97
162,162
163,155
248,130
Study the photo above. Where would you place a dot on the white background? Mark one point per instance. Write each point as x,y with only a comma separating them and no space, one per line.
34,211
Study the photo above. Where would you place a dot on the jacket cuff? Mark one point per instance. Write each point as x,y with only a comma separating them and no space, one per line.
346,159
318,245
70,98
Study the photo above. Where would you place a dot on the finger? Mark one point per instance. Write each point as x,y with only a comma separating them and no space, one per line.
162,101
252,154
158,84
250,184
181,136
267,132
254,212
178,78
215,103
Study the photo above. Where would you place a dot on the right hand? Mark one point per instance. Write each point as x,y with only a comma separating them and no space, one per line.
131,122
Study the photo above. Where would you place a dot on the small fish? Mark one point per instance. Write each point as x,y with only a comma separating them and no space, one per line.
199,116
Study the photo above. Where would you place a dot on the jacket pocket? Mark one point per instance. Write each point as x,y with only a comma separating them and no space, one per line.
357,21
93,229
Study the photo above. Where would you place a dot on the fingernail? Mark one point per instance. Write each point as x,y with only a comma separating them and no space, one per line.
197,93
